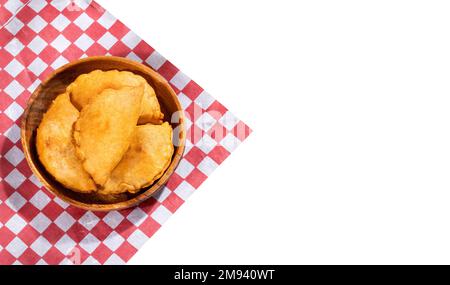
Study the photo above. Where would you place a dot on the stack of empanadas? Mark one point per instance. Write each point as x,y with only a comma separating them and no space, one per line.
105,135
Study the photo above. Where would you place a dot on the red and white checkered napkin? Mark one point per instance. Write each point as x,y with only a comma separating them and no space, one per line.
37,37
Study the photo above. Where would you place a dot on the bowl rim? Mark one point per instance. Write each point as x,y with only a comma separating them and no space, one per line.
142,196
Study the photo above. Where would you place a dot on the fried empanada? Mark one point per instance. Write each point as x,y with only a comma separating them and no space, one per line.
105,128
145,161
151,111
56,149
88,85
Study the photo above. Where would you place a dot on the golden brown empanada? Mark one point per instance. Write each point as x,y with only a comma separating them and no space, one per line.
88,85
56,149
105,128
145,161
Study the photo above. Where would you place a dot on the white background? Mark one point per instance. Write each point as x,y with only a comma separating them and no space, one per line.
349,162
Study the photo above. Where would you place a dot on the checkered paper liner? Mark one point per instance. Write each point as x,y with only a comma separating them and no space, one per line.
38,36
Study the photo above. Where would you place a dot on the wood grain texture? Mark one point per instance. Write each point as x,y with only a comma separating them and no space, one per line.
56,84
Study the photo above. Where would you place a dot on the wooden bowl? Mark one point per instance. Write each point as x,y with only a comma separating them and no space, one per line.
56,84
